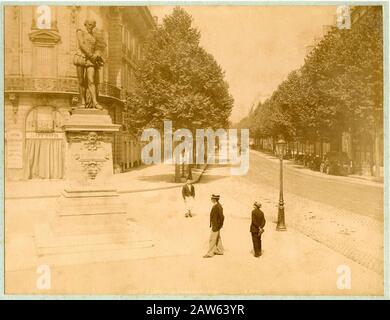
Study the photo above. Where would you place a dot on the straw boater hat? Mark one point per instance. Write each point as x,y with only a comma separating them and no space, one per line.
257,204
215,196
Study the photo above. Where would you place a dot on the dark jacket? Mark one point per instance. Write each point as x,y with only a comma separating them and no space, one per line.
216,217
188,191
258,220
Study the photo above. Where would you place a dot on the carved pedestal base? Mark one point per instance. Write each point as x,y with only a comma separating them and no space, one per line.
91,219
89,189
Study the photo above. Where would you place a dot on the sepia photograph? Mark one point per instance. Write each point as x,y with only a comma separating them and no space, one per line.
195,150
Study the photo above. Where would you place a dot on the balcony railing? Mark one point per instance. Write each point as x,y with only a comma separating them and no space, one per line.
106,89
55,85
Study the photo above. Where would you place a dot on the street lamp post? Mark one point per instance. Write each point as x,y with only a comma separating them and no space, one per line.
280,148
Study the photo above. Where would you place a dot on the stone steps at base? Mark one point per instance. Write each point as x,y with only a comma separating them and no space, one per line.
62,246
89,224
90,205
82,230
49,243
91,209
77,258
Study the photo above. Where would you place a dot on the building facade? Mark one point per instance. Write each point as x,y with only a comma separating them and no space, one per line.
41,84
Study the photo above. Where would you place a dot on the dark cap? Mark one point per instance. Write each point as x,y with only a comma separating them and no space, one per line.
257,204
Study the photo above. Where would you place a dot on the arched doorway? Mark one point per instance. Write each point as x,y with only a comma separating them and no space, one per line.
45,144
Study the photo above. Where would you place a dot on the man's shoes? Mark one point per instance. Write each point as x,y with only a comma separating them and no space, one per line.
186,215
206,256
190,215
219,254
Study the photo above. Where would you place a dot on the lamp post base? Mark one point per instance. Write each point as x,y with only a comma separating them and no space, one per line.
281,226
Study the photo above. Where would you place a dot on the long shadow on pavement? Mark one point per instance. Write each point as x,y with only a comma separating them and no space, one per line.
169,178
208,177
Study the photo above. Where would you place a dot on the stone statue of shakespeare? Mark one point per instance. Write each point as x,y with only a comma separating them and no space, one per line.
88,60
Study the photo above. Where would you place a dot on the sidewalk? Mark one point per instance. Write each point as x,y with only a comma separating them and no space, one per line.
144,178
372,181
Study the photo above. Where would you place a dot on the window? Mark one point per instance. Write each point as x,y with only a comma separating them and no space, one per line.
124,68
44,65
44,52
132,76
129,41
123,34
134,44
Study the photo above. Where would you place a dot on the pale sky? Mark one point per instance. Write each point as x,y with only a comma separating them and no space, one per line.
256,46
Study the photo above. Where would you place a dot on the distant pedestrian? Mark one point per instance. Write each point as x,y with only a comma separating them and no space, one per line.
257,228
188,193
216,222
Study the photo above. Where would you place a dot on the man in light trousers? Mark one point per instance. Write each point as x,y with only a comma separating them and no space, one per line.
188,193
216,223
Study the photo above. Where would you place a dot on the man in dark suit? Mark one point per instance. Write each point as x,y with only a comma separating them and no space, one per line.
257,228
188,193
216,222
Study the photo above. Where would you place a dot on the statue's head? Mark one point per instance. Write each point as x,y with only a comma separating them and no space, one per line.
90,25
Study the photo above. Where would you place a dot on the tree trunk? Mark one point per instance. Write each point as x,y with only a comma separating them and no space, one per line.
189,176
182,170
177,164
177,172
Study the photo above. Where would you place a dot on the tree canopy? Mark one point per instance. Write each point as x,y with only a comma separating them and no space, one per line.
178,80
339,86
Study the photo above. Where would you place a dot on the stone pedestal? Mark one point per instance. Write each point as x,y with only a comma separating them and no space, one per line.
89,172
90,216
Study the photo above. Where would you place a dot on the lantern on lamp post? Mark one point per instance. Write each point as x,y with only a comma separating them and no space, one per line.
280,150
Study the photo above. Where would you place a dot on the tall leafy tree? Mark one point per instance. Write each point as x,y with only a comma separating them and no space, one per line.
178,80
